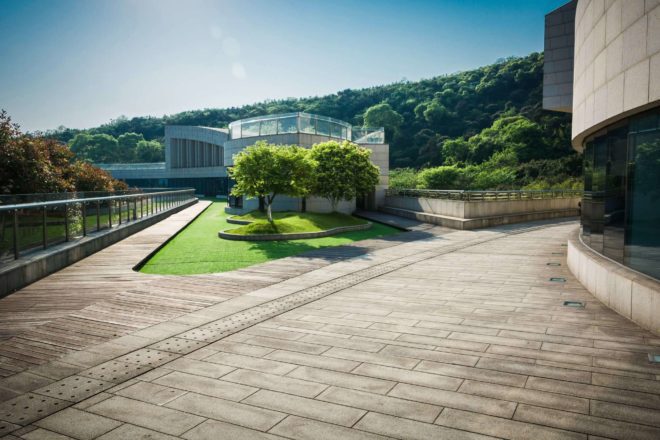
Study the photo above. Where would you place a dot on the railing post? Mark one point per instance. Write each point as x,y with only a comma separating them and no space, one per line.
84,219
66,222
134,209
15,228
141,207
119,203
98,215
110,214
44,231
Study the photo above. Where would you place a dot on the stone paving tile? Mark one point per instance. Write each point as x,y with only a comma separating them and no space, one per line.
274,382
382,404
345,380
534,370
627,413
301,406
462,372
78,424
227,411
312,360
214,430
350,344
408,429
408,376
595,392
150,393
199,368
430,355
380,358
251,363
146,415
457,400
524,395
626,383
302,347
502,428
39,434
586,424
240,348
206,386
128,431
299,428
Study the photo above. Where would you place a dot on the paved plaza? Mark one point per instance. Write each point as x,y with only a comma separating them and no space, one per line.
436,334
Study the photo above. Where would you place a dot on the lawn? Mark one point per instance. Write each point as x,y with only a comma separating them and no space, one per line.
198,249
292,222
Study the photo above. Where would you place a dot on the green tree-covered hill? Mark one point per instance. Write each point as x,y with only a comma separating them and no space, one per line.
459,119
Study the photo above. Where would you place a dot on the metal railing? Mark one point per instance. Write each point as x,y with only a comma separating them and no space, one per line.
27,227
473,196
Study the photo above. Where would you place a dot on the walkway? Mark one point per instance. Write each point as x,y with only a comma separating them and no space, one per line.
461,335
101,298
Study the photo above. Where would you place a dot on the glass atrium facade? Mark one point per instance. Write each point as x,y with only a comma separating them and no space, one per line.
621,205
304,123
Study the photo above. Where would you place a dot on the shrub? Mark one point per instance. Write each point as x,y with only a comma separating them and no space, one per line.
403,178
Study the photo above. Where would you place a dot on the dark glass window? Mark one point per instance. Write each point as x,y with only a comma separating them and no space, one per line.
621,204
586,199
642,250
615,194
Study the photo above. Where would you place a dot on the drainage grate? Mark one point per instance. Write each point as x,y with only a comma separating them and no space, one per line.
27,408
558,280
553,264
654,358
578,304
74,388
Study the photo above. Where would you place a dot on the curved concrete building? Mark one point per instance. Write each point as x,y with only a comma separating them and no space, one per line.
198,157
613,50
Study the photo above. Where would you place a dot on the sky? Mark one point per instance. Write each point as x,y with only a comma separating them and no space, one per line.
81,63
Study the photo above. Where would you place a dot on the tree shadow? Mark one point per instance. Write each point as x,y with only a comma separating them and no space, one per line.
335,253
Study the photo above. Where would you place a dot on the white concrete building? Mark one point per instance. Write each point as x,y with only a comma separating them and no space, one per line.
199,156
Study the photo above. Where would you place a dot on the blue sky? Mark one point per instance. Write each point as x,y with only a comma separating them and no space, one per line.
80,63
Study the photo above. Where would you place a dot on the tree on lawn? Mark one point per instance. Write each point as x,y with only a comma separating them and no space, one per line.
267,170
343,171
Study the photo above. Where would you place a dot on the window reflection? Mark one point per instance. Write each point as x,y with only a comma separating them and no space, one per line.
621,205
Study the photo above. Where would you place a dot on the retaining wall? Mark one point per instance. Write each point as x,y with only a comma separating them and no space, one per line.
627,292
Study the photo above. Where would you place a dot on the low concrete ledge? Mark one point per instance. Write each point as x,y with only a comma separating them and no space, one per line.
293,236
481,222
236,221
36,265
627,292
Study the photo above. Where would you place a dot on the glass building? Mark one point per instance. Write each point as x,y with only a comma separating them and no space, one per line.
621,205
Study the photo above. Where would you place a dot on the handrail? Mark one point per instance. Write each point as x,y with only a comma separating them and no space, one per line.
475,195
37,225
91,199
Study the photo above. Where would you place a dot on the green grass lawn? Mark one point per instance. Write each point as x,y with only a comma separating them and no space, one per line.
292,222
198,249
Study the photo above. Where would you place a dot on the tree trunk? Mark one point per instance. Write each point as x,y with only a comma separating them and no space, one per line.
269,207
334,203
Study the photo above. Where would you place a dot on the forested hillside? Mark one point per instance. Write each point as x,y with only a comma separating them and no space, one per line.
461,120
